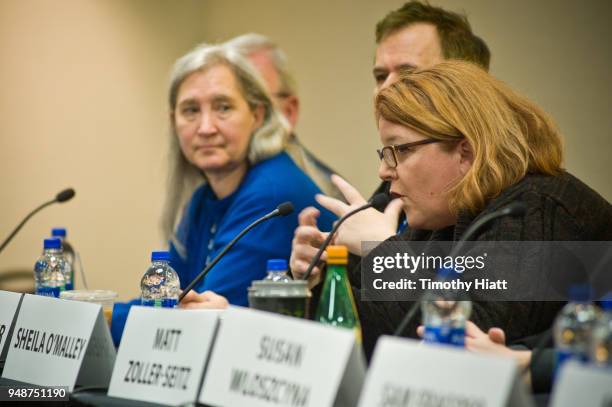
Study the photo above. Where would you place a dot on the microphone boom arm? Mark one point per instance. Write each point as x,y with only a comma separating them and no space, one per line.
23,222
280,211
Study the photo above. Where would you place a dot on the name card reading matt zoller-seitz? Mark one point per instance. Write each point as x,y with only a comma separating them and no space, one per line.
60,343
162,354
264,359
405,372
9,302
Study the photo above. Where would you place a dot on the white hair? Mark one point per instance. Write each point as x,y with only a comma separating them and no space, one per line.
251,43
266,141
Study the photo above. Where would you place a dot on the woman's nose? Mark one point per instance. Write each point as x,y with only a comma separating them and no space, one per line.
385,172
207,125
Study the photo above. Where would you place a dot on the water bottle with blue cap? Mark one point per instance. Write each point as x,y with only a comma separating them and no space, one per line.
68,252
601,341
49,270
573,326
444,313
277,270
160,285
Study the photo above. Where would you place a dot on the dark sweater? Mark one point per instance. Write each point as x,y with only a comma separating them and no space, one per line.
558,208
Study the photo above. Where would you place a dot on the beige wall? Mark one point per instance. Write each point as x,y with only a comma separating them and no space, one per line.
83,101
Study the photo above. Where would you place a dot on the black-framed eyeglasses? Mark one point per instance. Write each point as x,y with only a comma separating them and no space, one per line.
389,153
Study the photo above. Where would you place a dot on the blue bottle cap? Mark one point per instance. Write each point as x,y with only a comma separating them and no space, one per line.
53,243
606,302
160,255
277,265
580,293
447,273
58,232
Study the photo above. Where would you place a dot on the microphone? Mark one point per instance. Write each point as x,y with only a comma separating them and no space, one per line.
377,201
514,209
65,195
283,209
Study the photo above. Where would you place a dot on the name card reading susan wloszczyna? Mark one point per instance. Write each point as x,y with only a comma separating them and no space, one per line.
264,359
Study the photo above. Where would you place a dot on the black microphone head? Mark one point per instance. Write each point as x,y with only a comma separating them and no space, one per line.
65,195
285,208
517,208
380,201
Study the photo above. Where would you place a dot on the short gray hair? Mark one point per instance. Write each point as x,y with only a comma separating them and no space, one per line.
266,141
251,43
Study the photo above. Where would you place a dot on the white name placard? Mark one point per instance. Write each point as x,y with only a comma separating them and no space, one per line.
162,354
584,386
405,372
60,343
9,302
264,359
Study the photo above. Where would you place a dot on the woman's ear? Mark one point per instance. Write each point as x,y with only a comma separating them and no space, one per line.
259,113
466,155
290,108
171,117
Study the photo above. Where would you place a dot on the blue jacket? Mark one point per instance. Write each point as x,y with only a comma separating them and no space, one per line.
209,224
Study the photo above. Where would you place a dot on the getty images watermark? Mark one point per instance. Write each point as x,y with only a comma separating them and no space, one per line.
484,271
412,263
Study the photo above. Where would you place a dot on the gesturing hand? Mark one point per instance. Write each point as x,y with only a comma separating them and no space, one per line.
367,225
306,242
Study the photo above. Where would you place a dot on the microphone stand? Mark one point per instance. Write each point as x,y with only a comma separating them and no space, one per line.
23,222
63,196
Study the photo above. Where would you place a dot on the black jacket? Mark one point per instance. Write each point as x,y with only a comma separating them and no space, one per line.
558,208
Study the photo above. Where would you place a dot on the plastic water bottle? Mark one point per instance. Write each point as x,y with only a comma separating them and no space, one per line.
160,285
49,269
573,327
601,340
444,316
69,256
277,271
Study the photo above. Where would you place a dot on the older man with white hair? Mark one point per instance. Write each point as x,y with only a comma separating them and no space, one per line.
271,62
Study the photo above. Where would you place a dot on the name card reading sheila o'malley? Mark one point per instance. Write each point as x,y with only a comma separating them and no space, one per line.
407,373
162,354
60,343
264,359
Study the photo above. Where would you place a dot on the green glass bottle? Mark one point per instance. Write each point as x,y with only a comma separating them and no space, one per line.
337,305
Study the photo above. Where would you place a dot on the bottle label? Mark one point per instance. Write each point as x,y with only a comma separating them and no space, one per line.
161,303
49,291
444,334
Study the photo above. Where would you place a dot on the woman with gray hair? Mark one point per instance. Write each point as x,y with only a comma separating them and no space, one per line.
227,168
226,152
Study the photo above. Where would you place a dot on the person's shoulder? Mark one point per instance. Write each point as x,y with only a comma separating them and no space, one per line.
277,180
562,195
279,165
564,189
280,175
